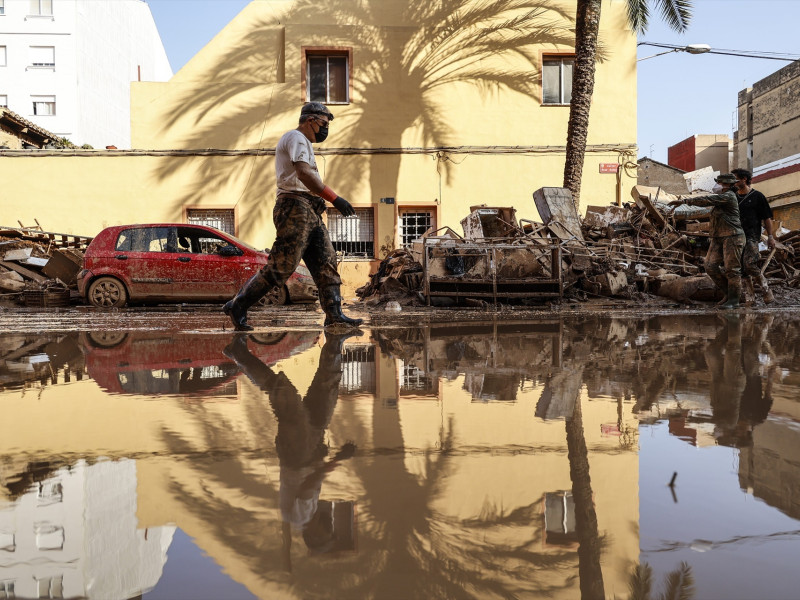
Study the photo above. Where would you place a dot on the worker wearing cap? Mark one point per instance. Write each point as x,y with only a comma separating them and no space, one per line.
300,231
724,258
753,209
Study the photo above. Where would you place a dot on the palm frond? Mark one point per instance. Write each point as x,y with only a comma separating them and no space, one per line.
641,582
677,13
638,15
680,584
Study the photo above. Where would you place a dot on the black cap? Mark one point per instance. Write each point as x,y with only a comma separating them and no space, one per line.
316,108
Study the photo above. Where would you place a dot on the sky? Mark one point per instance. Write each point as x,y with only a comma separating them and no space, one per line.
679,94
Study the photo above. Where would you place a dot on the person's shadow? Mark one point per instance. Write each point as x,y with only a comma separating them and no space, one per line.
300,441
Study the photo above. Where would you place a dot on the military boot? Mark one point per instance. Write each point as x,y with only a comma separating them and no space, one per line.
331,300
251,292
734,291
769,297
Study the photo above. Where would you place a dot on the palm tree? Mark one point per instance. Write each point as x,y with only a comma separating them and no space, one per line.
675,12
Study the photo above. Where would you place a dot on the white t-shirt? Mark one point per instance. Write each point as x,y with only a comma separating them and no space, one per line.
293,147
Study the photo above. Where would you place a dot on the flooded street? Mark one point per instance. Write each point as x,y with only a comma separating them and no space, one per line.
161,457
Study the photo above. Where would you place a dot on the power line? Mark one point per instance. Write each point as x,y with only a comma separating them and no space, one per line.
784,56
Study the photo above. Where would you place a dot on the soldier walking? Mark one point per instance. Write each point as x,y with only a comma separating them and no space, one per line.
724,258
300,232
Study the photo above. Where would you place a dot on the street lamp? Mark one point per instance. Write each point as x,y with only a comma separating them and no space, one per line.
691,49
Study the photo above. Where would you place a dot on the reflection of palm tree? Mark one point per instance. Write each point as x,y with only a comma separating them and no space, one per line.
679,584
398,74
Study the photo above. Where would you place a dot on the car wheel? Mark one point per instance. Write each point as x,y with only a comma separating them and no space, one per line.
106,339
275,297
107,292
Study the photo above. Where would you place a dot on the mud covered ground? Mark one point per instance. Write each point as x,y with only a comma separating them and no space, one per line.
207,317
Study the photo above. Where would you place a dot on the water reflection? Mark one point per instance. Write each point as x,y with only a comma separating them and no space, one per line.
499,459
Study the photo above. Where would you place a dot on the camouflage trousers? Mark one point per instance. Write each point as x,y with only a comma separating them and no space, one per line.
301,235
724,259
750,258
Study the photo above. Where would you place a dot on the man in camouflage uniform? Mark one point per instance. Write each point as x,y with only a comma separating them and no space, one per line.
724,257
301,233
753,209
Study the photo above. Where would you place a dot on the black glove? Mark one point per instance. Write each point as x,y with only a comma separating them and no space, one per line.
343,206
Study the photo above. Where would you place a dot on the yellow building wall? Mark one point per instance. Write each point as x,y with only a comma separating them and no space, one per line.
243,91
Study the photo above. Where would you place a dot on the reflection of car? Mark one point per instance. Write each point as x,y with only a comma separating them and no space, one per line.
154,363
176,263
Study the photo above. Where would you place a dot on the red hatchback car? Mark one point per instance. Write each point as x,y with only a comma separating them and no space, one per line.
171,262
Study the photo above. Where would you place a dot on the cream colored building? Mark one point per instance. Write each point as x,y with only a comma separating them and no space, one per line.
435,112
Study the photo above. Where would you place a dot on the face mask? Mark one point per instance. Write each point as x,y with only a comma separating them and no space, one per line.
322,134
717,189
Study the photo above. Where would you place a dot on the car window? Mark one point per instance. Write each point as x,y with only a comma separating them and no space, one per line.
147,239
199,241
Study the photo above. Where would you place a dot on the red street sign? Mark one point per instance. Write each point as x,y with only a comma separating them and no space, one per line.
609,167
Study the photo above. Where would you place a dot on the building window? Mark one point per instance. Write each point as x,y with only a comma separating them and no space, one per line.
44,105
43,56
557,79
7,589
2,56
326,74
3,101
50,587
41,8
559,518
358,370
223,219
2,7
353,237
48,536
414,222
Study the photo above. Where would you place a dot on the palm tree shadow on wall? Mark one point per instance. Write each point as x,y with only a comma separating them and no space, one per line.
435,47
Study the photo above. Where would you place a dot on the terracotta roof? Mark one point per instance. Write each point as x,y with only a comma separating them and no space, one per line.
24,129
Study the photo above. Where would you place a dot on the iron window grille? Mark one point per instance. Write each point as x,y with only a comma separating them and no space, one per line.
358,370
352,237
222,219
413,224
557,80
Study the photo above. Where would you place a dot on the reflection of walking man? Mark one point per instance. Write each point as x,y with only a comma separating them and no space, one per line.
300,441
300,232
724,257
753,209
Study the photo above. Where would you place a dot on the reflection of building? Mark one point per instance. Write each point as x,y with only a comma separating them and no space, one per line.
391,71
74,534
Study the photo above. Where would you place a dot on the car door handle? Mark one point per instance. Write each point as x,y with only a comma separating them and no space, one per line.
121,257
184,258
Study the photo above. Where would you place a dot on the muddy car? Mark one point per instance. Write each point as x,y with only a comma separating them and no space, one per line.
176,263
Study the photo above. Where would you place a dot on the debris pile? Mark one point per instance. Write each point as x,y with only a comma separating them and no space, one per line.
398,278
39,268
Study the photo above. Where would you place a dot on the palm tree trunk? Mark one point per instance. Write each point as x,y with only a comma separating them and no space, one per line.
586,33
590,573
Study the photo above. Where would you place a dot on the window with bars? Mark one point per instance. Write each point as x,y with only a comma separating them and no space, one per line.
222,219
43,56
41,8
557,79
358,370
327,75
414,223
414,380
353,237
44,105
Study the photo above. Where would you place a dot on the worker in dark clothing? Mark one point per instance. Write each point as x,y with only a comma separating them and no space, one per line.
753,210
300,442
300,232
724,257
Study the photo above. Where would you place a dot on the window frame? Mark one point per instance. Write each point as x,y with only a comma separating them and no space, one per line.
560,57
39,13
328,51
35,102
33,65
190,211
346,257
409,209
2,8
